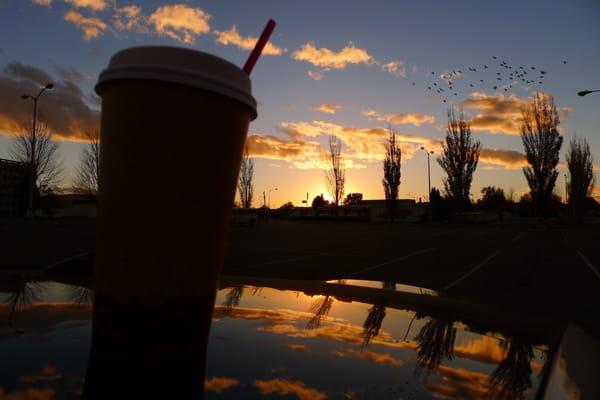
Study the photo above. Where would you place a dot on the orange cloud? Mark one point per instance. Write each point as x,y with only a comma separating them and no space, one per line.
395,68
400,118
505,158
285,387
95,5
266,146
233,37
219,384
92,27
328,108
364,354
316,75
326,58
129,18
46,3
180,22
499,114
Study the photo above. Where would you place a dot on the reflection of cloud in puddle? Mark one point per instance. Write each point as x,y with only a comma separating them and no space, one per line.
297,347
27,394
218,384
370,356
486,350
284,387
48,373
459,383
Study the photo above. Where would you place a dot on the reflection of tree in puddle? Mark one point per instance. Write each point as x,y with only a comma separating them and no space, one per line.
435,342
320,309
375,317
24,294
373,323
233,297
82,295
512,376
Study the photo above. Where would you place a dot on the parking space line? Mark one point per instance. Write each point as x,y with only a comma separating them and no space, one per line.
519,236
472,271
312,255
588,263
280,261
392,261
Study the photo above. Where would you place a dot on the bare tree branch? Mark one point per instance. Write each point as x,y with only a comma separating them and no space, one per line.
245,184
335,175
46,166
86,180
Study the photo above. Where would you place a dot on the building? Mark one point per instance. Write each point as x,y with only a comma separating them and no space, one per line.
13,188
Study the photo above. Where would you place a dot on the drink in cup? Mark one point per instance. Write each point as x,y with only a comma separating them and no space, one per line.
174,123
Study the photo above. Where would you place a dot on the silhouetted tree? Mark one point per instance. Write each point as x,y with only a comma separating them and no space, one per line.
335,174
435,342
353,199
492,197
88,171
459,159
245,184
512,376
391,171
319,201
46,167
542,143
581,171
439,206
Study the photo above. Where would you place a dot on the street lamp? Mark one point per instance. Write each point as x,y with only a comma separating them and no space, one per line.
269,198
586,92
428,170
32,165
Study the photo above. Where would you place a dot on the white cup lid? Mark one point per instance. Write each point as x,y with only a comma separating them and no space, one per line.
182,66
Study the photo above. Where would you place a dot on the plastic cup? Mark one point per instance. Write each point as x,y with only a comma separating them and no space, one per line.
174,122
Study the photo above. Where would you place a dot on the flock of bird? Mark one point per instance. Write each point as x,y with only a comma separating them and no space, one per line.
496,75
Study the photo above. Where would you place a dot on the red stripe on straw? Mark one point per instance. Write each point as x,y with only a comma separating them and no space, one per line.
260,45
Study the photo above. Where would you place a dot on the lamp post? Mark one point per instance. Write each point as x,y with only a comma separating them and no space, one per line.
269,198
32,166
566,190
586,92
428,171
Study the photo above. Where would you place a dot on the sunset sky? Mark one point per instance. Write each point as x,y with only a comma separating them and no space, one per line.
343,67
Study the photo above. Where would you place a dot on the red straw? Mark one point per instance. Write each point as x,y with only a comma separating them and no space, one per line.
260,45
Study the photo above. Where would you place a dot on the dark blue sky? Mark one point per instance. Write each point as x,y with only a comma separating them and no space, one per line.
420,37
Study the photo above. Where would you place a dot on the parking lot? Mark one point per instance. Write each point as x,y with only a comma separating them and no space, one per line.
545,270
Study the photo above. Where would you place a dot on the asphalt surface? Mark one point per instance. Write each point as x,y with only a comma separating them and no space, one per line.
544,270
550,271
